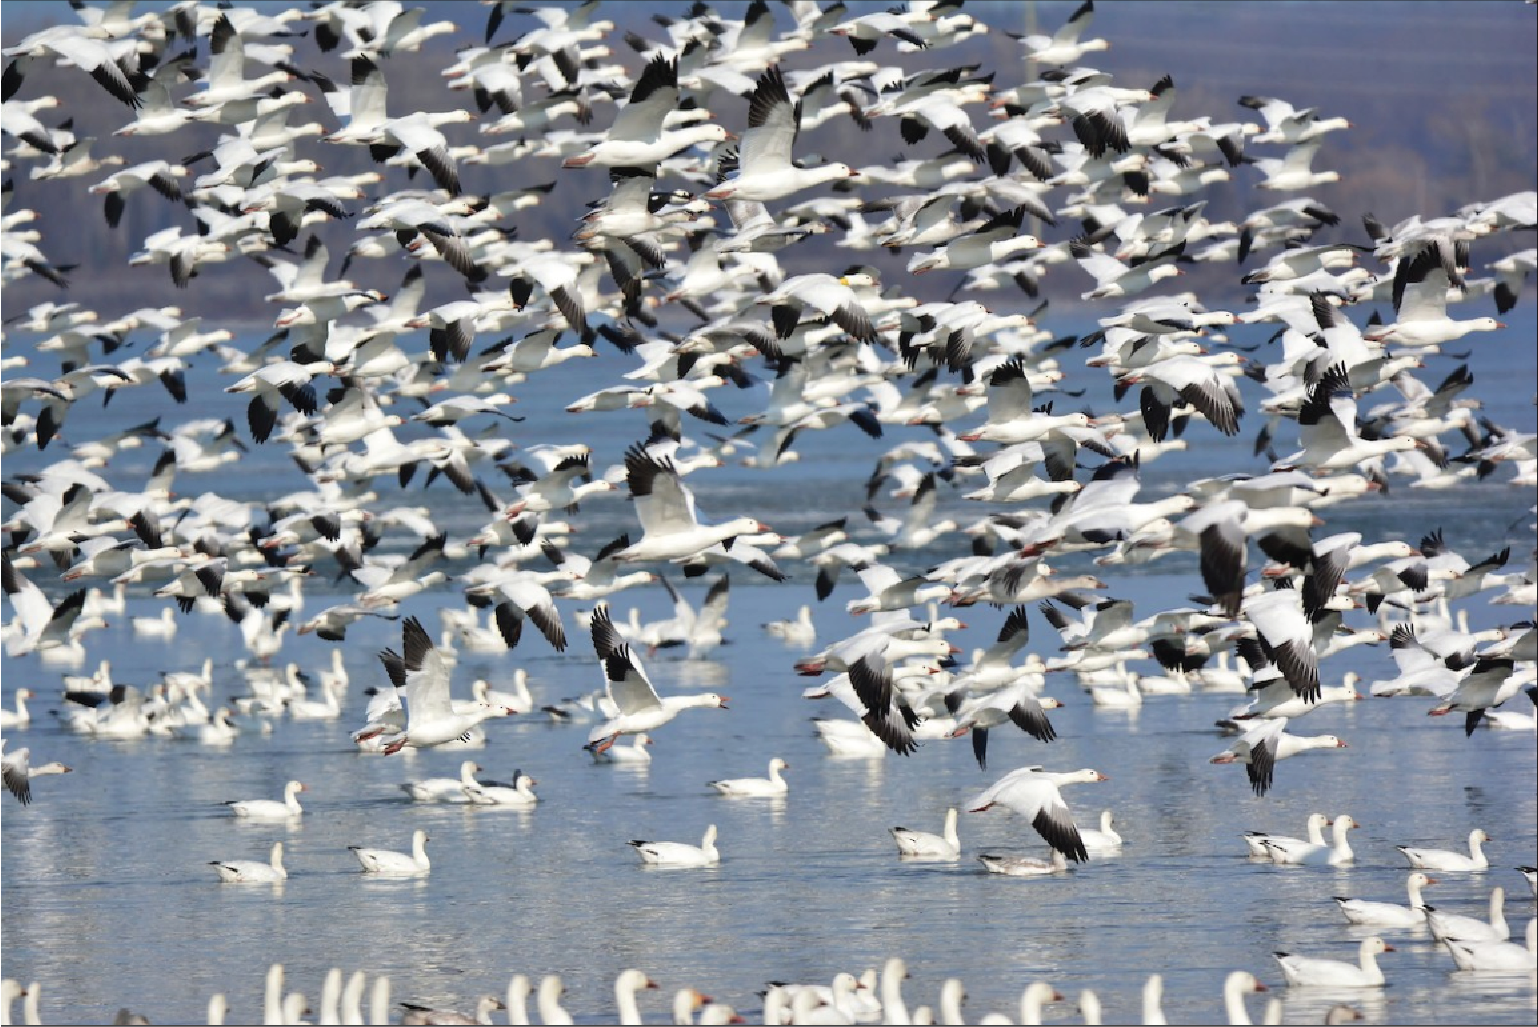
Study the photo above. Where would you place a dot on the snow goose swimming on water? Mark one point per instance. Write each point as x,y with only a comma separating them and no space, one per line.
422,679
639,706
1103,840
270,809
1303,971
1456,927
397,864
1448,861
1390,914
848,737
765,170
1024,866
1495,955
416,1013
634,753
924,845
1033,793
680,854
444,789
772,785
1285,851
243,871
626,984
494,793
1256,840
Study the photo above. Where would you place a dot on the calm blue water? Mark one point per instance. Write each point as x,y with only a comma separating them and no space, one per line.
109,901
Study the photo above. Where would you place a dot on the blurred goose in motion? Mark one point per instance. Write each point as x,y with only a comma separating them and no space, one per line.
17,772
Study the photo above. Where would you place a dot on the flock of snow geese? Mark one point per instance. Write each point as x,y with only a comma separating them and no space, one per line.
700,228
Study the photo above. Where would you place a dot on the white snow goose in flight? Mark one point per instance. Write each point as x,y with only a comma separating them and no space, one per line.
1016,703
1286,637
1490,683
670,526
515,594
1033,793
225,80
868,30
1327,428
18,773
1288,124
641,709
1187,380
1065,46
284,380
421,677
1115,278
1421,285
994,242
764,168
417,134
832,298
639,136
74,46
1261,746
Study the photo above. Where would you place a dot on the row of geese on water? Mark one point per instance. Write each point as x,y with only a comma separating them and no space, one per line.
872,997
